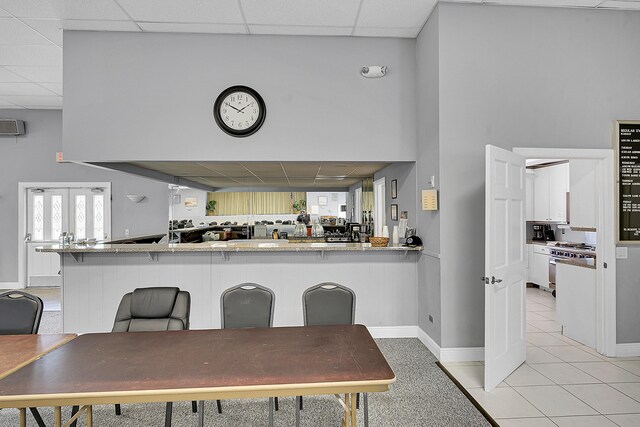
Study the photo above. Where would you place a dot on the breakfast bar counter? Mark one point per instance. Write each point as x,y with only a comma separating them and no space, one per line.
384,279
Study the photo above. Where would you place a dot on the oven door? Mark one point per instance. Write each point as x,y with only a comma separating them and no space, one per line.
552,272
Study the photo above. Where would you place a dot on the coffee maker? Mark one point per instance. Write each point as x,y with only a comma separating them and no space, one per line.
354,231
538,232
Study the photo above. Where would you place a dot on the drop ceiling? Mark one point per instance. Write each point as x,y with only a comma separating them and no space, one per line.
308,175
31,30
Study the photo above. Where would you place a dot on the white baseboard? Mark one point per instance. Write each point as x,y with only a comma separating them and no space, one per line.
462,354
628,350
10,285
458,354
393,331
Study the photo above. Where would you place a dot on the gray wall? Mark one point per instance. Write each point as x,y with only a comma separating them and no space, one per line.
149,96
31,158
405,174
428,222
527,77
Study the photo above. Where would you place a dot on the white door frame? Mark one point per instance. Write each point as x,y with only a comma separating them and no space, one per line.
606,237
23,188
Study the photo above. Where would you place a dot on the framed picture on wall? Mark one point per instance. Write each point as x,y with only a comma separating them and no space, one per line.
394,212
394,189
322,200
190,202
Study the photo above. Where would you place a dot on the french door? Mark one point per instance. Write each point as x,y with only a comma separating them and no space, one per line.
82,212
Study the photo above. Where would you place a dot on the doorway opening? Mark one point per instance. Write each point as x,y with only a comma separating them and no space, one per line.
49,210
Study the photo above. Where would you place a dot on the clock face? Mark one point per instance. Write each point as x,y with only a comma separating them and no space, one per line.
239,111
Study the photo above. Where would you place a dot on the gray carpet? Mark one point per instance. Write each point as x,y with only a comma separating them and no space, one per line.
421,396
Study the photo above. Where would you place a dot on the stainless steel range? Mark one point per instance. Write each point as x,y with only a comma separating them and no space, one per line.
563,250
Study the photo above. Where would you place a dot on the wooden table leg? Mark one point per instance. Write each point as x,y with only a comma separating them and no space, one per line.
23,417
90,416
57,416
354,413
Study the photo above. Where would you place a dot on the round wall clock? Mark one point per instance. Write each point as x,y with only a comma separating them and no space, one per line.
239,111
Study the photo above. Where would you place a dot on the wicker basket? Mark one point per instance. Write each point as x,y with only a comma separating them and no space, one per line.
379,242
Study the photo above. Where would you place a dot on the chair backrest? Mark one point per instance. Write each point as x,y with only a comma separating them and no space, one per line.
248,305
153,309
329,304
20,313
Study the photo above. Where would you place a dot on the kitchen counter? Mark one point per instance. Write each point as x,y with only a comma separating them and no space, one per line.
249,246
579,262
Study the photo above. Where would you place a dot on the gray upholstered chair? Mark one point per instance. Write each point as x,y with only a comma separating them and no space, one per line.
154,309
247,305
329,304
20,314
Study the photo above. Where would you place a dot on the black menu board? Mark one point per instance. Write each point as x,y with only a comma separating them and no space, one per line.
628,150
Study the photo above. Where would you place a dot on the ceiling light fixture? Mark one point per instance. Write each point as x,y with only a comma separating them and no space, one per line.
374,71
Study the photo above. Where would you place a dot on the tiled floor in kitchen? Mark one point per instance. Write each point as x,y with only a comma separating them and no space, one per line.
562,383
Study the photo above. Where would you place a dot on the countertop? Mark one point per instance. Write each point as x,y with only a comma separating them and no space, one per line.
254,246
579,262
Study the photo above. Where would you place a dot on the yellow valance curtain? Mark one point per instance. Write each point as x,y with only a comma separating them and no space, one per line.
255,203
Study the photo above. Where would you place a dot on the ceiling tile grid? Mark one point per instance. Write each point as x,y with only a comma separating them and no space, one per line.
31,30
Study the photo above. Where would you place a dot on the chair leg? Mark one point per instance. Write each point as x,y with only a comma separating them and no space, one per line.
201,413
194,406
219,406
357,400
74,410
276,403
168,414
298,406
271,405
301,408
365,398
37,417
118,409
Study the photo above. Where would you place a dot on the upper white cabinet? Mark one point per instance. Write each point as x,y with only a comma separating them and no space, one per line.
584,209
530,176
550,188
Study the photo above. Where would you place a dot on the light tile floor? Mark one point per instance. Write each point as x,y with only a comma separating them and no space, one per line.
562,383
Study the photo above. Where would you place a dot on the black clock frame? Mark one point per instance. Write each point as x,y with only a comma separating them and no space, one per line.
239,133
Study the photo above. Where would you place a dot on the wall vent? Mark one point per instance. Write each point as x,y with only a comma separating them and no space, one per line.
11,127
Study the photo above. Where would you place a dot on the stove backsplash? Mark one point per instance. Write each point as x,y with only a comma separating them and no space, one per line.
565,234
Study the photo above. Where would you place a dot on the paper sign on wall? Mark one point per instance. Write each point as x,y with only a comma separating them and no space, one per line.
429,200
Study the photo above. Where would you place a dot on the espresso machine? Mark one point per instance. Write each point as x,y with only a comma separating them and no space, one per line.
354,231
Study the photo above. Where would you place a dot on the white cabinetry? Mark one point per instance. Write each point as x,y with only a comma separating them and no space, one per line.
576,302
530,176
583,213
529,263
539,267
550,189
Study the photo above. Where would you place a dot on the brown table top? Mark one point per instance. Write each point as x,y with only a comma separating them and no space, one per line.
17,351
202,364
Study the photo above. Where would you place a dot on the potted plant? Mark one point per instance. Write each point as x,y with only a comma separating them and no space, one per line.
211,206
299,205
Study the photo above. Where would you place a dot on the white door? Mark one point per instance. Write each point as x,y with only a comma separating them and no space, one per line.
85,212
47,217
505,263
379,203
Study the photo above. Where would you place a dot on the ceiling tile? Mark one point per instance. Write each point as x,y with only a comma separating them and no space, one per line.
163,27
388,14
64,9
49,28
300,30
23,89
30,55
53,87
35,101
331,13
218,11
387,32
9,76
14,32
615,4
96,25
39,74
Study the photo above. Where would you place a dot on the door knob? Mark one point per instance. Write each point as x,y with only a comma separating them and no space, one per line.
27,238
485,280
494,280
